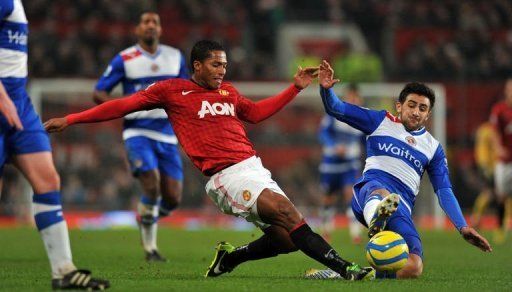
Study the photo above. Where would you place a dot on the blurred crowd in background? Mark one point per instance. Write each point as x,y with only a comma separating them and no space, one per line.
461,43
431,40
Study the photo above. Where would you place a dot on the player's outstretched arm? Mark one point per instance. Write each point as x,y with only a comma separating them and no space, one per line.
109,110
8,109
471,236
254,112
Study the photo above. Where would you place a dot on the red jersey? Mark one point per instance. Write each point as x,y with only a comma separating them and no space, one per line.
207,122
501,118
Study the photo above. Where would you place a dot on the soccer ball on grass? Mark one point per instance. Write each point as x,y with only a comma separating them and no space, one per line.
387,251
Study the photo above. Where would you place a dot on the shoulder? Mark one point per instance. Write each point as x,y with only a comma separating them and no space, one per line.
129,53
229,87
176,84
168,50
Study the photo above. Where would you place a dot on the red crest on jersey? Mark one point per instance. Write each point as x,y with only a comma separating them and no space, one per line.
223,92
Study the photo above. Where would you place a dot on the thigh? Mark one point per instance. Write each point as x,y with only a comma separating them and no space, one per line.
141,155
169,160
362,193
402,224
236,192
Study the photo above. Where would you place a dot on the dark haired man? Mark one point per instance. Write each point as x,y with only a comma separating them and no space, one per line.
399,151
150,142
207,115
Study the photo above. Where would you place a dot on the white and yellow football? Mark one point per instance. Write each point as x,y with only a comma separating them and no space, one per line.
387,251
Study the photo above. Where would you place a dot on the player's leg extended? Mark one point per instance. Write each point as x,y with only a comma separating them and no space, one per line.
273,242
275,209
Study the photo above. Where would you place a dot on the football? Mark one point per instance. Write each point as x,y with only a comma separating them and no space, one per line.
387,251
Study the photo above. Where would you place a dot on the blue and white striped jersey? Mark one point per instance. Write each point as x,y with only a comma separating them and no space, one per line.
334,133
13,47
394,155
136,69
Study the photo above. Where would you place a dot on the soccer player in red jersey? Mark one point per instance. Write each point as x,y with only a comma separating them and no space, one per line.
207,114
501,119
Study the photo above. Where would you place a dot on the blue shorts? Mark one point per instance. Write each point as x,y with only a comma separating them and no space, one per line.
33,138
400,222
145,154
333,182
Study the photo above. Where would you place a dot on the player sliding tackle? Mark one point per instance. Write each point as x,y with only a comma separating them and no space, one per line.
207,114
399,151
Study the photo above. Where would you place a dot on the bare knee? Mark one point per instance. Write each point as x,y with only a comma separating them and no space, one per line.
277,210
171,191
413,269
48,181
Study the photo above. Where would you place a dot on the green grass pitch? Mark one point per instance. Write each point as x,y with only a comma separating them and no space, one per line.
450,264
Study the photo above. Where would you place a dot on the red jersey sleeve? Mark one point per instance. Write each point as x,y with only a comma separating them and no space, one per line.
254,112
147,99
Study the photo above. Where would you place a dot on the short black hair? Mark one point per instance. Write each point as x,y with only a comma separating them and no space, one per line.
201,51
137,19
419,89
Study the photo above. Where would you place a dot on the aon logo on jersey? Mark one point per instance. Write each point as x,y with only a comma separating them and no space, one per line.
225,109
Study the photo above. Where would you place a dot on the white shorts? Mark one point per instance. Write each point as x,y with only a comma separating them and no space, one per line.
235,189
503,178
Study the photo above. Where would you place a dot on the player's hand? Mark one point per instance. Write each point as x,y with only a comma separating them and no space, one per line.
55,125
8,110
471,236
305,76
326,75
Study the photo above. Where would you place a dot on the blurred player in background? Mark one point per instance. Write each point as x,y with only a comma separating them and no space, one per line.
501,119
207,115
28,147
149,139
485,158
340,167
399,150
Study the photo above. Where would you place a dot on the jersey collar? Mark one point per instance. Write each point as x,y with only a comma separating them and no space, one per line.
148,54
418,132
